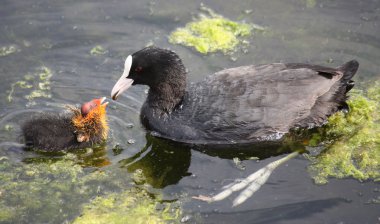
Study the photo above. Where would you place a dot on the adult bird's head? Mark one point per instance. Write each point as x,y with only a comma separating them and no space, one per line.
90,121
151,66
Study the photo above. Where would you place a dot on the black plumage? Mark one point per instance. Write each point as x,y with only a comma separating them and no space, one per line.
52,132
239,105
78,128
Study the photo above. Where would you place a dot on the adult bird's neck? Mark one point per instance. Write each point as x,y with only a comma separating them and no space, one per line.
165,97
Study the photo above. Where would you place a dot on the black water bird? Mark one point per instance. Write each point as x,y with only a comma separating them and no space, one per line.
246,104
80,128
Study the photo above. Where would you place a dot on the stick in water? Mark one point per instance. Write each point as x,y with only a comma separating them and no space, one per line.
253,181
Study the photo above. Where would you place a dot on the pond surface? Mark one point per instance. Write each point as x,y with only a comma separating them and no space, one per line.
61,36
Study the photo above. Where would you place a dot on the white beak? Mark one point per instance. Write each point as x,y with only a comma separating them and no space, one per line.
123,83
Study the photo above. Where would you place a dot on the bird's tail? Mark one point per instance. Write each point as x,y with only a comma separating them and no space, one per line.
349,69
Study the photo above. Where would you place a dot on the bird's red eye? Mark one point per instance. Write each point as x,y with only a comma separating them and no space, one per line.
138,69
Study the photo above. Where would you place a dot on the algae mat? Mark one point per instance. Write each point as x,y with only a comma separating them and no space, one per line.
55,190
212,32
351,141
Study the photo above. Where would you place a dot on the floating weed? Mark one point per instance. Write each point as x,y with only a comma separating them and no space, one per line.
311,3
98,50
28,77
44,73
58,190
212,32
131,206
51,190
8,127
38,82
7,50
238,163
21,84
37,94
352,141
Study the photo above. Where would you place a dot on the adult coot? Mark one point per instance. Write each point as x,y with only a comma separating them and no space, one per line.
238,105
82,127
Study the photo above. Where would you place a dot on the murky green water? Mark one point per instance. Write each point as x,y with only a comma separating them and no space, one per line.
62,36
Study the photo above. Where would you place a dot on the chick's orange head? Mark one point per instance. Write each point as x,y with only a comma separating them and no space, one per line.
92,119
92,105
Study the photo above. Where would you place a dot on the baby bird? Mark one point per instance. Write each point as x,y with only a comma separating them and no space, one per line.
81,128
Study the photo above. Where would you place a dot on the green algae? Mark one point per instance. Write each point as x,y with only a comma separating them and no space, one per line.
98,50
38,93
211,33
21,84
50,191
352,141
131,206
7,50
311,3
44,73
38,82
8,127
59,190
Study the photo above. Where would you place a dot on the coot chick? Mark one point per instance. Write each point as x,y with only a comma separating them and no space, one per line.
238,105
81,128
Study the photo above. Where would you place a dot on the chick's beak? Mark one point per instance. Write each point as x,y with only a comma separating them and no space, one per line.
100,101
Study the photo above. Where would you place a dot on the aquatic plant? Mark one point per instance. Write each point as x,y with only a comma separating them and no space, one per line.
98,50
21,84
44,192
351,141
311,3
55,190
131,206
7,50
211,33
42,86
38,82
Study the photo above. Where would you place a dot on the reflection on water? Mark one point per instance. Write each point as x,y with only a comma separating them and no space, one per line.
67,36
162,163
88,157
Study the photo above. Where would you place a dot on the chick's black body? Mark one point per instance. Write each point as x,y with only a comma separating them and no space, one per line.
51,132
238,105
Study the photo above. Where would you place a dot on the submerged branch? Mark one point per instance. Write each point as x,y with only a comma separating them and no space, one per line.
253,181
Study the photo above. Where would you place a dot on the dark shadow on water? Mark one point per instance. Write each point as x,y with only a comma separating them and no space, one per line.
91,157
279,214
260,150
164,162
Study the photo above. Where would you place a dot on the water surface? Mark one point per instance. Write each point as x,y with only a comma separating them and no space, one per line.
59,35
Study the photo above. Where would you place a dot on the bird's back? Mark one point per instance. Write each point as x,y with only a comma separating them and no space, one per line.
256,103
